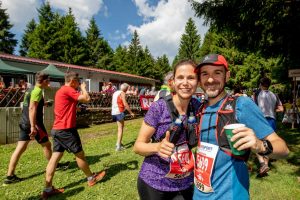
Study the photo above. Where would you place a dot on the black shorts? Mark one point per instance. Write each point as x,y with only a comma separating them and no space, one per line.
67,139
40,137
147,192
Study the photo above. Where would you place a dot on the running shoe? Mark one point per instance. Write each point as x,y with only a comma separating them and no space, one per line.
54,191
264,169
11,179
120,148
96,178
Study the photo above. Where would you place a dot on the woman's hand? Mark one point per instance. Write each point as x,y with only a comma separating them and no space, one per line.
165,147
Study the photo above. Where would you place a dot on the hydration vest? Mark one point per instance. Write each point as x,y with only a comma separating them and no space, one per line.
191,132
225,115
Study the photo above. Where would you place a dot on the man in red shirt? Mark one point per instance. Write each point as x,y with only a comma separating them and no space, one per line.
65,135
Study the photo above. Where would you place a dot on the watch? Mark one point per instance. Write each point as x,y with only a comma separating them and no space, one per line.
268,146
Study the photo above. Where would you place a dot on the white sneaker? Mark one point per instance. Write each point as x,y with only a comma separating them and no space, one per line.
120,148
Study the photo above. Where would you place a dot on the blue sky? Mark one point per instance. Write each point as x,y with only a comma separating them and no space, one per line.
159,23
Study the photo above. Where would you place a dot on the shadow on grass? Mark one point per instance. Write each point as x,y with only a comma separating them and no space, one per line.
129,144
33,175
90,160
111,171
62,196
114,169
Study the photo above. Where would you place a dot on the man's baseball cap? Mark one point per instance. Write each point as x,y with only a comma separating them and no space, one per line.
213,59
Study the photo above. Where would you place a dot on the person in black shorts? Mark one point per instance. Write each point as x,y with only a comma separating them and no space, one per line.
31,126
65,135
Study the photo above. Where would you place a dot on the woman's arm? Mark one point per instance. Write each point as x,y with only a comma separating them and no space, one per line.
144,147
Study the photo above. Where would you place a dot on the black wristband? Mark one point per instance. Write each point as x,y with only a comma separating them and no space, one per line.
268,146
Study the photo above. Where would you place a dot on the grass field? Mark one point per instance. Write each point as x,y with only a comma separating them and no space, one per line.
122,169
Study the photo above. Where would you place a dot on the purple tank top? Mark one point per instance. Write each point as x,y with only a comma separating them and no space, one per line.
155,168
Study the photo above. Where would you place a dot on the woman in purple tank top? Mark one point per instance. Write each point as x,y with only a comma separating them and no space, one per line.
167,170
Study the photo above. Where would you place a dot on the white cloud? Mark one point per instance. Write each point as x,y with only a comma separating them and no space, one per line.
83,10
20,12
144,10
168,19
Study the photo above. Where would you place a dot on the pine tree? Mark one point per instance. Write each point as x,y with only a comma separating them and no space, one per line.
25,42
175,60
44,38
100,54
72,42
146,64
163,63
190,42
134,50
119,59
7,41
163,66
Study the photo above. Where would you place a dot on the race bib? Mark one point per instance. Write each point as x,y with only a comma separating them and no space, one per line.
182,162
205,160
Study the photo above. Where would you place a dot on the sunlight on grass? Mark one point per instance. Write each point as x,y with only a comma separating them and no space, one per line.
122,169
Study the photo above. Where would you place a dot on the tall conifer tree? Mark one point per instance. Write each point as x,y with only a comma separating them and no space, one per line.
7,41
45,36
134,50
73,44
119,59
100,54
25,42
190,42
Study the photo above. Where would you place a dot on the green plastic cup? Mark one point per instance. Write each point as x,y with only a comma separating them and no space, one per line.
228,131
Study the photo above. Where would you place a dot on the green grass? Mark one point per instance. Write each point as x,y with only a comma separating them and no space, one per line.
122,169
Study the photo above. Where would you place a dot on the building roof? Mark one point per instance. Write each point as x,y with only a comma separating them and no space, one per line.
65,65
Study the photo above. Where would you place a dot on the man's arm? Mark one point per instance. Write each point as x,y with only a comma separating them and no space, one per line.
280,149
246,138
32,117
123,96
84,96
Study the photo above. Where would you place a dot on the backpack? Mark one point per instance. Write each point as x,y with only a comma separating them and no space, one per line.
191,129
225,115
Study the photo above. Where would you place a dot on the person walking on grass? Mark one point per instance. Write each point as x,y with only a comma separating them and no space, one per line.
269,103
119,104
219,173
31,126
65,135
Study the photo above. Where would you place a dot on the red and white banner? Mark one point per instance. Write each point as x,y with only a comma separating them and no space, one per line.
146,101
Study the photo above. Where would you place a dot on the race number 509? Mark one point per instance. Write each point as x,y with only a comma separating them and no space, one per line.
202,163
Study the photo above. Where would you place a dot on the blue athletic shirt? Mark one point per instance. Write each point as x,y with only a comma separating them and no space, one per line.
230,178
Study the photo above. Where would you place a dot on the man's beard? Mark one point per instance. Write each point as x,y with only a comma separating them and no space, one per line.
214,93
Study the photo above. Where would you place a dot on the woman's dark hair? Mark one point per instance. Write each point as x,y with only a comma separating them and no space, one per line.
183,62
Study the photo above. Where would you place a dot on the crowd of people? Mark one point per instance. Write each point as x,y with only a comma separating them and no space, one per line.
22,85
175,124
133,90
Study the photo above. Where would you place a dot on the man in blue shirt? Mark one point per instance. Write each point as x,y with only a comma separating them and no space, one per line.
220,175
